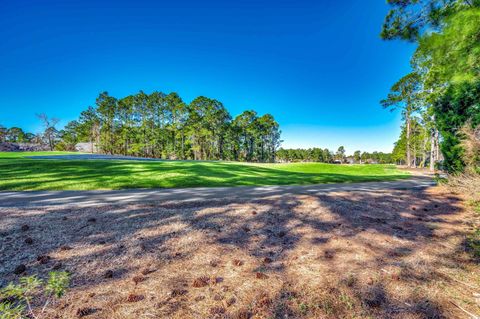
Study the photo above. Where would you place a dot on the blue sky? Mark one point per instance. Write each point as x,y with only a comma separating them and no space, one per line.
318,66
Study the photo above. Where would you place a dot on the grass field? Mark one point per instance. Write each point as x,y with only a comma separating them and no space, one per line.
20,173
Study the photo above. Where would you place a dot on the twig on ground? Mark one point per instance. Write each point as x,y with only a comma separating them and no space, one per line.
465,311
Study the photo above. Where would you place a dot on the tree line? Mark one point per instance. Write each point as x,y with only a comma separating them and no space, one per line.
327,156
160,125
18,135
439,98
48,137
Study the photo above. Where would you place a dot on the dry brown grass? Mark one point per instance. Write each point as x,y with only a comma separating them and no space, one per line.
390,254
471,145
466,184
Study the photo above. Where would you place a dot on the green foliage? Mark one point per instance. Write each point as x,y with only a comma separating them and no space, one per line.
327,156
459,104
161,125
15,135
405,94
453,55
357,156
50,136
18,298
340,155
3,133
399,154
11,311
409,19
447,64
69,137
57,283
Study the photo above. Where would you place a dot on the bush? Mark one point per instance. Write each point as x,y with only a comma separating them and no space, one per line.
64,147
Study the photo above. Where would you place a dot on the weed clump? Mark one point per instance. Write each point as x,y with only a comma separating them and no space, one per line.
18,298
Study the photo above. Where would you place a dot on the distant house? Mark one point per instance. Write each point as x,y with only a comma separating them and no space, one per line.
86,147
22,147
350,160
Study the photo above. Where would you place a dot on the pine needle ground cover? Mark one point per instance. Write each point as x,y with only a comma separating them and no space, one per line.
18,172
379,254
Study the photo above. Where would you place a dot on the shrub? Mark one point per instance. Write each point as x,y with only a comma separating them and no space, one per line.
17,299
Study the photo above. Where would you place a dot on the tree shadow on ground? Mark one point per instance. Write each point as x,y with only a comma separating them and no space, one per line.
386,254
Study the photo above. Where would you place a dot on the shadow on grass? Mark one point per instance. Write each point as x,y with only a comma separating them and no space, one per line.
24,174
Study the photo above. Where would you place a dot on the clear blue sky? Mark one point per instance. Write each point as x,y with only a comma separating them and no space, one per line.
318,66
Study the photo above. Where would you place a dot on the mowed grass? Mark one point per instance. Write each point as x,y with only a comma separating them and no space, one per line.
20,173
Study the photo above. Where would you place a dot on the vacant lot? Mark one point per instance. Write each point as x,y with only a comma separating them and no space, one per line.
20,173
383,254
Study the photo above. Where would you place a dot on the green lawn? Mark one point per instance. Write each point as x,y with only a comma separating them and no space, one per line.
20,173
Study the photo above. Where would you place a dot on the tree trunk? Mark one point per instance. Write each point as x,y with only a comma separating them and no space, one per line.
433,144
409,154
432,150
414,156
174,142
424,151
183,145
